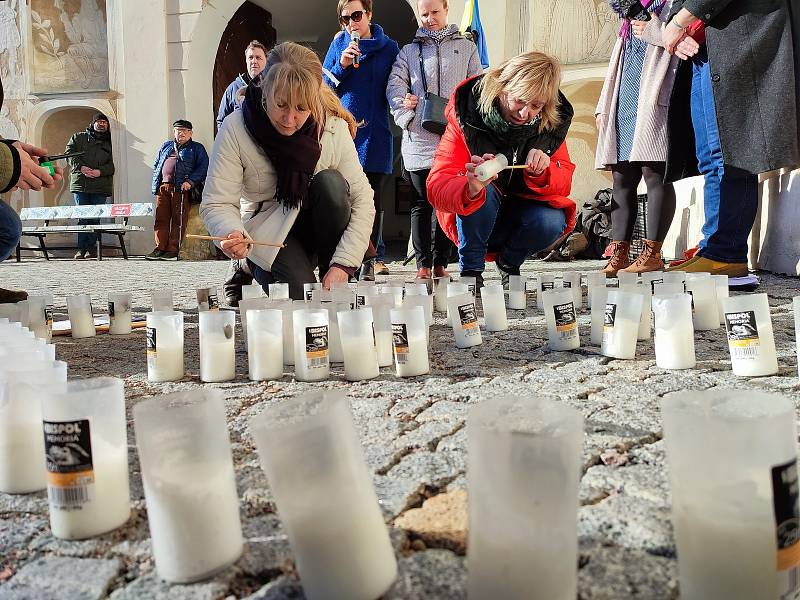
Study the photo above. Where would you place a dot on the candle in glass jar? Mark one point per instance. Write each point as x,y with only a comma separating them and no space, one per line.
358,344
494,307
217,346
674,332
311,335
265,344
80,316
119,314
410,341
562,322
164,346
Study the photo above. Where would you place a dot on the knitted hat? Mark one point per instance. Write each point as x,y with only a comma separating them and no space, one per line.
182,123
99,117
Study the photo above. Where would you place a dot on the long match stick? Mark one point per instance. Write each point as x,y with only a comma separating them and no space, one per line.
222,239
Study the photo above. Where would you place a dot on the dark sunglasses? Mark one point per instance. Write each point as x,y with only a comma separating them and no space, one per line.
356,16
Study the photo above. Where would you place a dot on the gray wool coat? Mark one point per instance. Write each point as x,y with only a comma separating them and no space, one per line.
750,52
658,75
446,65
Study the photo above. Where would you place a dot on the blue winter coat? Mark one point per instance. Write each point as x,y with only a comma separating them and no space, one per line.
192,163
363,93
228,103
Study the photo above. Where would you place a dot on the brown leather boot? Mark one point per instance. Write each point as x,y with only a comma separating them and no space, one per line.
649,260
619,258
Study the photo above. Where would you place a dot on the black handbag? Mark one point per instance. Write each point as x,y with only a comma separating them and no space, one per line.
433,105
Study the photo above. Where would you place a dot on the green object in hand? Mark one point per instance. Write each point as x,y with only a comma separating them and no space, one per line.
49,166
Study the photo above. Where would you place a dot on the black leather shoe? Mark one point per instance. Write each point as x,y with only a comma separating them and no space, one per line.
367,272
238,275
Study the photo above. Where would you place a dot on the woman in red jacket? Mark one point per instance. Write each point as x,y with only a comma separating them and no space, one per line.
514,109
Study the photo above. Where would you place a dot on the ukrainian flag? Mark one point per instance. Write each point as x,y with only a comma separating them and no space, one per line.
471,23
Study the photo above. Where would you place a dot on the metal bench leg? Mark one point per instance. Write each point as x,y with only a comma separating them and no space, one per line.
121,237
99,244
43,246
19,252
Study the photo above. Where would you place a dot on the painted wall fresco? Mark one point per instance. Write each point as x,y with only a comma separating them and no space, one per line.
70,46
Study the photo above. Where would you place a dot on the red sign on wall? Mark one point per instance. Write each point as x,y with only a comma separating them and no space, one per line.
121,210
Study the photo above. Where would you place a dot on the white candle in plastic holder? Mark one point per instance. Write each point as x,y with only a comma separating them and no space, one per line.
704,303
701,275
493,302
471,283
119,314
40,318
22,460
750,337
321,296
490,168
265,344
427,282
253,290
217,346
594,279
416,288
426,302
626,278
646,318
311,453
464,320
674,277
732,458
673,337
410,341
382,306
207,299
517,298
440,293
796,308
81,318
344,295
598,313
523,477
308,290
246,305
11,311
86,448
621,324
358,344
164,346
562,320
278,291
311,337
189,484
547,281
364,289
161,300
721,286
668,288
455,288
651,278
572,280
288,308
335,354
396,291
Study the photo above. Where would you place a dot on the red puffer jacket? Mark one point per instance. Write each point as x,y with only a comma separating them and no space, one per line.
448,190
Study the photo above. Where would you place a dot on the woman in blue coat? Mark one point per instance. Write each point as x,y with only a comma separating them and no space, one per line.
357,67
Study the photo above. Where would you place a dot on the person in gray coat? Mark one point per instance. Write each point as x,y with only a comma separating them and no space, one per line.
740,87
449,59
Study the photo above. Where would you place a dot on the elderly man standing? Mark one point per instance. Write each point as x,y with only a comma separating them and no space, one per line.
92,173
178,174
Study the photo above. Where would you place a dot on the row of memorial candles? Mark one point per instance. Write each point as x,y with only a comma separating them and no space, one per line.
734,505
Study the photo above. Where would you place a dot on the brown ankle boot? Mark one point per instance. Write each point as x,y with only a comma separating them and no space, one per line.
649,260
619,258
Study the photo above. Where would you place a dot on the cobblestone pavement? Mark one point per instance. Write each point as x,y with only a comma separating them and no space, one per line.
413,434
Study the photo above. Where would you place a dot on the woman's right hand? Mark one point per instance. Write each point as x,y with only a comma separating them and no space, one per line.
349,54
235,246
410,102
475,184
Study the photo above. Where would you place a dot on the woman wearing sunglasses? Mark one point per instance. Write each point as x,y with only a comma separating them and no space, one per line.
448,58
287,161
359,71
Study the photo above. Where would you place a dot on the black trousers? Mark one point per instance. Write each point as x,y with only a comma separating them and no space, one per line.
313,237
422,229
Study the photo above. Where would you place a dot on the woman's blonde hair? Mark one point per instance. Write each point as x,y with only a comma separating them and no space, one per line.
530,77
294,76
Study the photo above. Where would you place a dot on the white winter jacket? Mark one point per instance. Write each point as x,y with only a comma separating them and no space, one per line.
241,179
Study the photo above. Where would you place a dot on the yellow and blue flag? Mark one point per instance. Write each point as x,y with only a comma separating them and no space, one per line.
471,24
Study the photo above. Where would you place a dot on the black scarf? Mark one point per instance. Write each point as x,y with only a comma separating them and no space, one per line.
294,156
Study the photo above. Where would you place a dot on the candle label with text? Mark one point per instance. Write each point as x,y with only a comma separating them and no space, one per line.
469,319
609,317
68,459
691,295
400,342
360,301
48,316
213,302
548,285
309,294
785,495
566,322
566,284
653,283
111,312
317,346
151,343
742,334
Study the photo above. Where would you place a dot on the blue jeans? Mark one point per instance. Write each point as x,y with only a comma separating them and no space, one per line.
512,227
730,200
87,241
10,230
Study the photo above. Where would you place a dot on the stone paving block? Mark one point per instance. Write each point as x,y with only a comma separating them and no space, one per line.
283,588
430,468
605,574
151,587
52,578
432,574
396,495
441,521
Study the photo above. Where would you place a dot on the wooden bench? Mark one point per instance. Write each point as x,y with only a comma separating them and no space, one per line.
46,214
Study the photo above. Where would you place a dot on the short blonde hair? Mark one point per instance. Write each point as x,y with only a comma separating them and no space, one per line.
367,4
532,76
294,76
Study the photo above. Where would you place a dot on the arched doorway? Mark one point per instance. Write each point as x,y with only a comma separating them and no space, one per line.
250,22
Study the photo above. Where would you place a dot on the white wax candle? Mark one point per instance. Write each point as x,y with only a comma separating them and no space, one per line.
546,282
254,290
494,308
704,302
311,349
119,314
621,324
674,332
264,355
166,362
562,322
278,291
490,168
593,280
161,300
572,281
102,494
358,344
464,320
410,350
598,314
193,513
80,316
750,337
22,468
217,360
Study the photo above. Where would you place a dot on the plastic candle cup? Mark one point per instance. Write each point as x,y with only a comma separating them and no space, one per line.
721,286
40,318
207,299
358,344
464,320
593,280
490,168
278,291
704,303
796,307
652,278
626,278
250,304
572,280
493,301
646,318
165,346
750,337
674,331
598,312
119,314
265,344
517,298
308,290
381,306
546,282
621,324
440,293
311,334
80,316
217,346
562,322
161,300
410,341
471,283
253,290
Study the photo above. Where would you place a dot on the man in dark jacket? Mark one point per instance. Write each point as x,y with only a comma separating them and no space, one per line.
92,173
180,167
740,87
255,57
